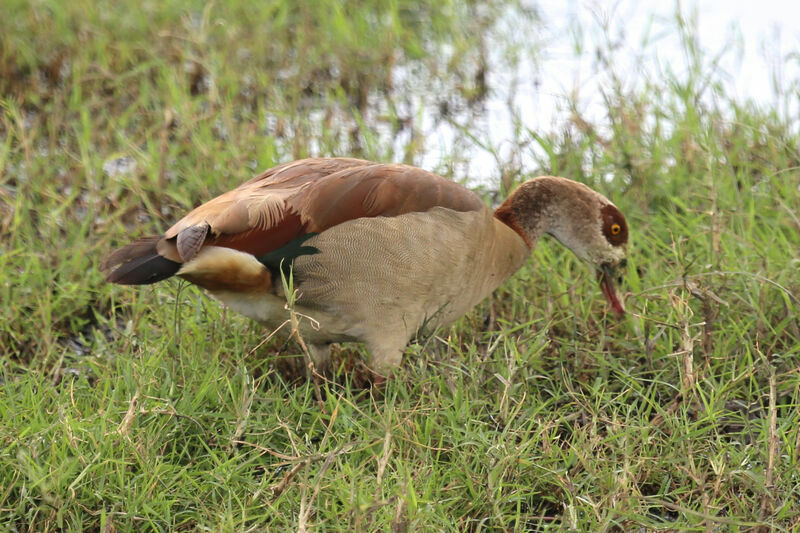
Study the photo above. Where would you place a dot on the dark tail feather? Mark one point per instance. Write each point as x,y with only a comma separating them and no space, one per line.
138,263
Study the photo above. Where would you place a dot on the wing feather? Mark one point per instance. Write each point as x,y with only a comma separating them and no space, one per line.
190,240
295,199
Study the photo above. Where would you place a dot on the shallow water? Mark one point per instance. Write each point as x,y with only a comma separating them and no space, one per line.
749,50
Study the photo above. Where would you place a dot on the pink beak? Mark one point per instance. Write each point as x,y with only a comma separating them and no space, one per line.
606,276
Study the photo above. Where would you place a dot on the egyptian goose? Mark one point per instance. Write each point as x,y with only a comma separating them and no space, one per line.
376,250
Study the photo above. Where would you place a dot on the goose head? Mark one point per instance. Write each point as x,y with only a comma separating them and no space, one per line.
580,218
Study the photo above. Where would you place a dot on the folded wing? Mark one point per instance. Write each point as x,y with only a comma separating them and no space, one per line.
284,205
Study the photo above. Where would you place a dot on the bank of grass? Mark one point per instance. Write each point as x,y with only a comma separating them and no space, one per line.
154,409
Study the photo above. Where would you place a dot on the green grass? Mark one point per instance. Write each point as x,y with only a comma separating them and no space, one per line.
145,409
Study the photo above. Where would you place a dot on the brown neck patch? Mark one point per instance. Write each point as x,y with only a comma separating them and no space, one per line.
615,229
505,214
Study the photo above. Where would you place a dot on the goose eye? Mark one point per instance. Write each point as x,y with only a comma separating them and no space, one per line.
613,228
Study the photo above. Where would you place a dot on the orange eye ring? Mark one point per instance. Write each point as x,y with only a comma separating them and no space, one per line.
615,229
